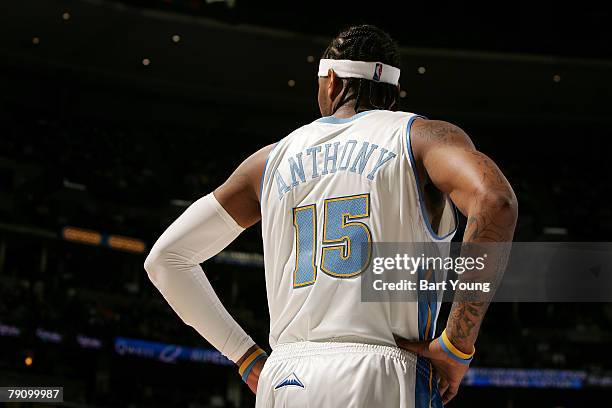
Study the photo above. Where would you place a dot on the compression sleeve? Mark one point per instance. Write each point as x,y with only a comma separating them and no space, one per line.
201,232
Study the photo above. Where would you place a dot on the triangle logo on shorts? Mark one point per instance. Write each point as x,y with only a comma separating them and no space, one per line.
290,380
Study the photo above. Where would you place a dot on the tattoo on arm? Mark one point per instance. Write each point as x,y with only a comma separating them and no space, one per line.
485,228
440,132
464,317
490,173
486,223
467,313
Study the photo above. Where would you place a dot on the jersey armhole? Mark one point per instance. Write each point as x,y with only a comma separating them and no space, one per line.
263,173
433,234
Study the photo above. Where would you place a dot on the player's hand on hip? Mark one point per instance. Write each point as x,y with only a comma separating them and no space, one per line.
253,378
449,372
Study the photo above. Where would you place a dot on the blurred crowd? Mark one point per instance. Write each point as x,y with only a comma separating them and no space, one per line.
134,181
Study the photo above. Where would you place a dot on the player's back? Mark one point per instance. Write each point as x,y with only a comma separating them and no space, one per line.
330,189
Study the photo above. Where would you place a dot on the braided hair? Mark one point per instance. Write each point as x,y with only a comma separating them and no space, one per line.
366,43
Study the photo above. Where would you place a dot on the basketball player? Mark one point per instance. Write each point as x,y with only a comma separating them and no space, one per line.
362,173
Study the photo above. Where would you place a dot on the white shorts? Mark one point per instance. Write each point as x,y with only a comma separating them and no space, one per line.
321,374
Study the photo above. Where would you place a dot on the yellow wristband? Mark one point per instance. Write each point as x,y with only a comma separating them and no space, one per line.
454,349
247,362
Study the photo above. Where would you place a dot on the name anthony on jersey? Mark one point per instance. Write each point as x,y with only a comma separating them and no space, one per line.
329,159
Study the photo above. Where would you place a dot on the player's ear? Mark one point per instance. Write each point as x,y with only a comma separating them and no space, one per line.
396,101
334,85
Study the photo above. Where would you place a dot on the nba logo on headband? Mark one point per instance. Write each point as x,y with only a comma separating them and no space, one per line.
377,72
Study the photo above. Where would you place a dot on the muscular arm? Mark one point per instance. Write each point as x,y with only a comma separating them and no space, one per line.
202,231
447,157
239,195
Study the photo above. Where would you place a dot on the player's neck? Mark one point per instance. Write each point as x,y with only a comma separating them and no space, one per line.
345,111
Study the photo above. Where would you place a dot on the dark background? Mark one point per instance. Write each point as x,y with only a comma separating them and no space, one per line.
92,137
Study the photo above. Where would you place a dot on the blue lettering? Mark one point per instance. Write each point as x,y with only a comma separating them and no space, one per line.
280,183
297,169
330,158
344,166
381,160
312,151
362,157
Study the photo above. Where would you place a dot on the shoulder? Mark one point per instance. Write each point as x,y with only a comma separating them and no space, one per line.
260,157
437,131
295,135
248,174
426,134
256,162
398,117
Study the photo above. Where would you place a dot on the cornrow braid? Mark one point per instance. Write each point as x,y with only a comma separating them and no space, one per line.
366,43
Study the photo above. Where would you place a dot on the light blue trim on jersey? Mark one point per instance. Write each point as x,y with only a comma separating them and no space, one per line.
334,120
426,394
433,234
263,173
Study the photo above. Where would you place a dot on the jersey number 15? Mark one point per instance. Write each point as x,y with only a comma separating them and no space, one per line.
347,243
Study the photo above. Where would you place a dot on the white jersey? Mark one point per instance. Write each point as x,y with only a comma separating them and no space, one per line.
328,187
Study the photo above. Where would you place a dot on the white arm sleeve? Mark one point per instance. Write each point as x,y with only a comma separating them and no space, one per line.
201,232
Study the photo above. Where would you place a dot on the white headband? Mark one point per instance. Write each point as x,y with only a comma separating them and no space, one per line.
373,71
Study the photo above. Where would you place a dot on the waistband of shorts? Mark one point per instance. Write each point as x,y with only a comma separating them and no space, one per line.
299,349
